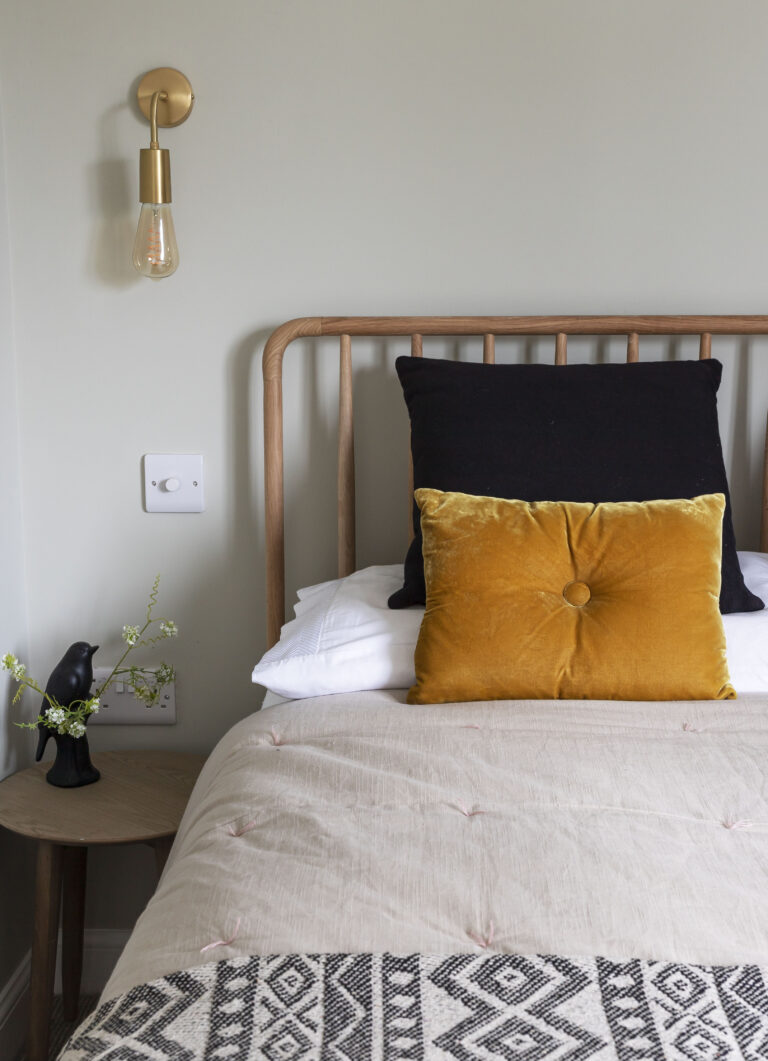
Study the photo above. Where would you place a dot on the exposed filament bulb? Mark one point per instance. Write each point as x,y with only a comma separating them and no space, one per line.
155,253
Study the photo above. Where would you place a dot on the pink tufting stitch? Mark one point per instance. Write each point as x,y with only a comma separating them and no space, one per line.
483,941
740,823
466,812
277,740
470,726
245,829
689,728
222,942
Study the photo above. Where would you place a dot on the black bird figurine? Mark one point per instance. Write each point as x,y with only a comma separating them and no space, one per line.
69,681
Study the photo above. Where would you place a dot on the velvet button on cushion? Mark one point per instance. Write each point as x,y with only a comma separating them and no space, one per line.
577,594
568,433
568,600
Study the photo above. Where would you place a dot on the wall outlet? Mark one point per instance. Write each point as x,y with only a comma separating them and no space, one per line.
119,707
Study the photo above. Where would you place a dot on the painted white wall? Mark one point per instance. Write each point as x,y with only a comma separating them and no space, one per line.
349,156
15,746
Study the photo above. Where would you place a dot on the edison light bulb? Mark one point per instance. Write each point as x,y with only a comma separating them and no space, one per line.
155,253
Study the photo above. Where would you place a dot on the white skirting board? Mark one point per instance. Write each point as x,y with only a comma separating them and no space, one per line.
101,949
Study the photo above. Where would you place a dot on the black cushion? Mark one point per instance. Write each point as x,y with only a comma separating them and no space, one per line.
629,432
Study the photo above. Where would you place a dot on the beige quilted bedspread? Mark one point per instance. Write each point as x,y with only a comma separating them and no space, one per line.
357,823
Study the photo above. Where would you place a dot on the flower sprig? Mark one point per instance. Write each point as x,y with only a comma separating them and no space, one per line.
69,719
146,684
143,681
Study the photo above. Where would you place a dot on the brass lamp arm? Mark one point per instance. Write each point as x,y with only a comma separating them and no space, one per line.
156,97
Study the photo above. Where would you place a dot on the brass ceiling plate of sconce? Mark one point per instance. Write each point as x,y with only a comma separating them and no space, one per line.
176,107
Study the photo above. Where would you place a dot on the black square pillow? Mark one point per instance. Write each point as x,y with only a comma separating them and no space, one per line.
629,432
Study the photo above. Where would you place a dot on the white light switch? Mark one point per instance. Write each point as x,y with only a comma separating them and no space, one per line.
173,482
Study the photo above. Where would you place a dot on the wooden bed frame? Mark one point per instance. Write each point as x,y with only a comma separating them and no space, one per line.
417,327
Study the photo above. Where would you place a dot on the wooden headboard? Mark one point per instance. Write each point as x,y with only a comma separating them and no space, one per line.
417,327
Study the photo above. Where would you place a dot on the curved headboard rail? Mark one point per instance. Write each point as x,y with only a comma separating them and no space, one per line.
559,327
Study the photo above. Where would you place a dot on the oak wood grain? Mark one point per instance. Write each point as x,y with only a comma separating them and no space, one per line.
72,924
141,796
346,463
681,324
561,348
43,966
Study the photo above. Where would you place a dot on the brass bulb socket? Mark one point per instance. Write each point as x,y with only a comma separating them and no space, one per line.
154,175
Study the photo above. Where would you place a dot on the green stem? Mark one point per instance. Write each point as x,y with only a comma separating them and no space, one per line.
122,658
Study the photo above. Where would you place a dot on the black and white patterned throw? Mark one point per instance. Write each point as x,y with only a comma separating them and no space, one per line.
494,1007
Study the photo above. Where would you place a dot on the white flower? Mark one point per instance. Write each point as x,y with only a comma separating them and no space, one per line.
93,705
9,662
54,716
169,628
145,694
164,674
130,634
75,728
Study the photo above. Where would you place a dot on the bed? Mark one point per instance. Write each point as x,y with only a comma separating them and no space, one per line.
357,876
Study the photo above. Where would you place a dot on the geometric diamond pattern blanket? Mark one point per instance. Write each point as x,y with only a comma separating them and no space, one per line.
494,1007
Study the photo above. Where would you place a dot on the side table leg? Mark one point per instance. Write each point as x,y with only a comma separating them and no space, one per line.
73,918
47,902
162,848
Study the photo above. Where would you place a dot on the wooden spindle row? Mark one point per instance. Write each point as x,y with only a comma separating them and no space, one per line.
346,469
633,347
416,327
416,351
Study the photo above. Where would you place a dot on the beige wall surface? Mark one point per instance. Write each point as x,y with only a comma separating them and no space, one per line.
15,746
343,156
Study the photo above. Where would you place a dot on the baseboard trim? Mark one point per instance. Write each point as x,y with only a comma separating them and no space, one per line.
101,949
13,1011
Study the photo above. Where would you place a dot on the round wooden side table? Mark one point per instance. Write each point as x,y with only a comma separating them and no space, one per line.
140,799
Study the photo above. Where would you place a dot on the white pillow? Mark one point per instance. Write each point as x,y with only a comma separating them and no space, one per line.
746,633
344,637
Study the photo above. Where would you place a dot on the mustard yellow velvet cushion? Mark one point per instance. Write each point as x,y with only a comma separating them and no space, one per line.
613,601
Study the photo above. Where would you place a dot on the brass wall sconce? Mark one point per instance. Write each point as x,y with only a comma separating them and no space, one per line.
165,98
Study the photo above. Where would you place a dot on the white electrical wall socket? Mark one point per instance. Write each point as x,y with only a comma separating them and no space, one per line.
173,482
119,707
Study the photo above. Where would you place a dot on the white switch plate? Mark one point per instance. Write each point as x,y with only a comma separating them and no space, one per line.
173,482
123,709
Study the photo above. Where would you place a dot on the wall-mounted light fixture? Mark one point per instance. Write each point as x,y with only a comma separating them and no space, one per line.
165,98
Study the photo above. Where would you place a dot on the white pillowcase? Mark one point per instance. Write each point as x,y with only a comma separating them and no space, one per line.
344,637
746,633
